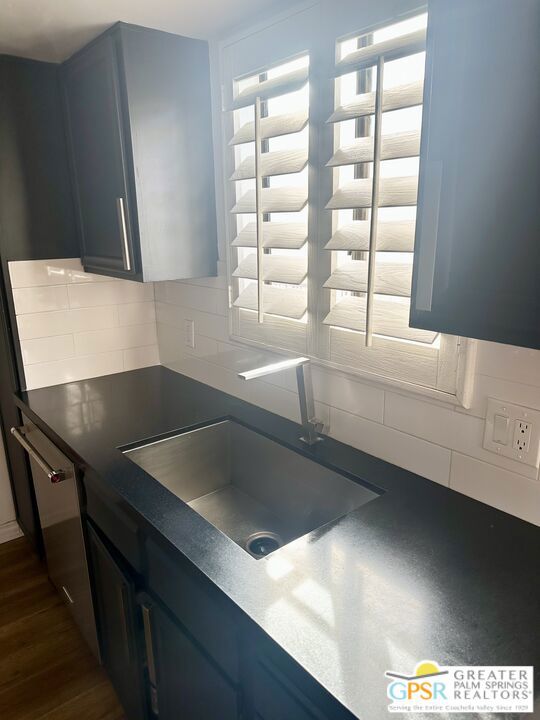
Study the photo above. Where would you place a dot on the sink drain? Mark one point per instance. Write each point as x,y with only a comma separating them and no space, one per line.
263,543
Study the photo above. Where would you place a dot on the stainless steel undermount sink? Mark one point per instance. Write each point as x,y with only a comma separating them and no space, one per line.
257,492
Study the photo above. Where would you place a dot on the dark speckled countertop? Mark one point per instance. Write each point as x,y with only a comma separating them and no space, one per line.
421,572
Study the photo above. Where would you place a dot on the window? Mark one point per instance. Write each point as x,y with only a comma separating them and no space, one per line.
323,178
271,149
378,119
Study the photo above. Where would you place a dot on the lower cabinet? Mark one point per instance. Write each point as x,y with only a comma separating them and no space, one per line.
273,701
173,651
118,625
185,682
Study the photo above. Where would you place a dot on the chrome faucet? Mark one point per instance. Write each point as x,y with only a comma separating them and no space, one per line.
312,427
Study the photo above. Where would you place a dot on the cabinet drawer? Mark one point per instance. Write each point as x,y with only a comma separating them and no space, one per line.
203,615
119,528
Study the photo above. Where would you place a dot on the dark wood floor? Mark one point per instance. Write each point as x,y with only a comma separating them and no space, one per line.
46,669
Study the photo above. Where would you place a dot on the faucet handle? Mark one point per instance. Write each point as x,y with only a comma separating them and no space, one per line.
312,429
318,425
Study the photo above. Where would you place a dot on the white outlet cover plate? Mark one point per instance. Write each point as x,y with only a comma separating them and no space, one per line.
513,413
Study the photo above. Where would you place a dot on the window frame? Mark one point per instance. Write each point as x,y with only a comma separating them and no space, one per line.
454,368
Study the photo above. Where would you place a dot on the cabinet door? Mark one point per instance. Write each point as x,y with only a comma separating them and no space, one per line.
98,157
117,627
477,257
186,683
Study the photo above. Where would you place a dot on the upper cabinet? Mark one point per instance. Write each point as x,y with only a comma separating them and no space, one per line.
140,141
477,254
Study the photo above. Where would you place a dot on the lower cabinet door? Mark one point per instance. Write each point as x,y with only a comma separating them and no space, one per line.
186,685
117,626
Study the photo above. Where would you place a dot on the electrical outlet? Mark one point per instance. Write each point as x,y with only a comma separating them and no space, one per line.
513,431
522,435
189,333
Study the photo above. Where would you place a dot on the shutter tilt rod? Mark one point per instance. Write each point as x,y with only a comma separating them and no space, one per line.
258,210
374,202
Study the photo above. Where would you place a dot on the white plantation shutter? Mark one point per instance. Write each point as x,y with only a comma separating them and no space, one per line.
377,124
322,143
269,241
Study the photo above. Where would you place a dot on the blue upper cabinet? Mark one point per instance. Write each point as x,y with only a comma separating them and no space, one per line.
140,141
477,253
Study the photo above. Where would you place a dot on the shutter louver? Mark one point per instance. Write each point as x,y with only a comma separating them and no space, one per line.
273,200
284,236
379,85
390,317
281,162
271,180
393,192
284,302
273,87
390,49
396,236
271,127
390,279
277,268
396,98
399,145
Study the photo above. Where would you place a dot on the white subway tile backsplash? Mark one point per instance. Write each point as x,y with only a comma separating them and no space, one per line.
445,427
426,459
76,368
74,325
494,486
137,313
45,349
113,292
223,303
413,433
139,357
43,324
40,299
170,314
33,273
160,292
347,394
60,322
169,345
219,282
207,324
197,297
119,338
486,386
518,364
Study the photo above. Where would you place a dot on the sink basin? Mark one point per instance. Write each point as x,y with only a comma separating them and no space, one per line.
257,492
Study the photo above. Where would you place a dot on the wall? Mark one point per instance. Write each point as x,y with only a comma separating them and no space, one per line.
37,221
73,325
9,528
435,440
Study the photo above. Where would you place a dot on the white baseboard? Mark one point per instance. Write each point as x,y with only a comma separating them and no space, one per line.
10,531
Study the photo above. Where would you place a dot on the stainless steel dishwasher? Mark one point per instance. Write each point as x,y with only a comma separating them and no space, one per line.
58,504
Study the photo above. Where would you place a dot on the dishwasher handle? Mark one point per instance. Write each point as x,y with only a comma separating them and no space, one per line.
55,476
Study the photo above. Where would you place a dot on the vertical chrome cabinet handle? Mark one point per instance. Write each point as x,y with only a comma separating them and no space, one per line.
150,659
123,232
55,476
68,595
430,229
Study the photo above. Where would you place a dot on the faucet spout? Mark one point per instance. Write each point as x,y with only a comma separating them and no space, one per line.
311,426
